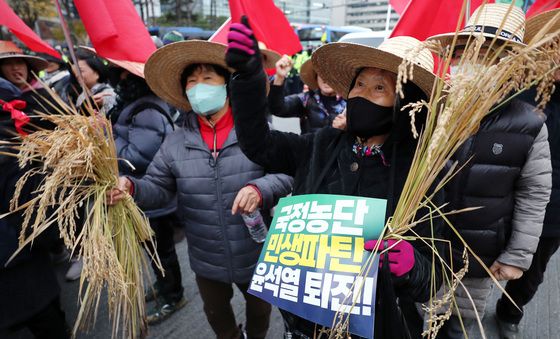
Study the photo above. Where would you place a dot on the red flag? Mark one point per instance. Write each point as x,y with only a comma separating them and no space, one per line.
115,29
221,33
269,24
399,5
424,18
20,119
9,19
540,6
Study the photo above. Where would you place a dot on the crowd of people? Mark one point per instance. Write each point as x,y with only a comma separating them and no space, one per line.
192,129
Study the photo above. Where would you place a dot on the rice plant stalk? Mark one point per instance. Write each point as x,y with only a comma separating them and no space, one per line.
78,161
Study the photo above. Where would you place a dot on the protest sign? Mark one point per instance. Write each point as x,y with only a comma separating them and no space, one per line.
311,261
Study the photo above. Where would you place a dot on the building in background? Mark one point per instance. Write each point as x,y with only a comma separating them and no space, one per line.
297,11
306,11
370,14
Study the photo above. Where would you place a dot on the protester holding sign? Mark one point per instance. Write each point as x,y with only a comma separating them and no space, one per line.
370,159
214,181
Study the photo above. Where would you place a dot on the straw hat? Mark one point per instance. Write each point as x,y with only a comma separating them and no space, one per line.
9,50
165,67
308,75
136,68
270,57
537,22
338,63
487,20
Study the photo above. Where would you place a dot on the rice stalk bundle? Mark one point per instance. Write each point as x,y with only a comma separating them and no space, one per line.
78,162
489,75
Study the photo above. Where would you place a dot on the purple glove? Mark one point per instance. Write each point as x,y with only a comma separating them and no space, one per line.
243,53
401,255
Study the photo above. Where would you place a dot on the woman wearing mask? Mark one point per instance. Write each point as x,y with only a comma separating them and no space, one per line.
213,180
371,158
315,108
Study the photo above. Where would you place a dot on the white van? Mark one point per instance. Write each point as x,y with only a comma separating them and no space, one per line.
372,38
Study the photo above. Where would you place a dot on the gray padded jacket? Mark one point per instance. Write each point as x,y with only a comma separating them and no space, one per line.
220,247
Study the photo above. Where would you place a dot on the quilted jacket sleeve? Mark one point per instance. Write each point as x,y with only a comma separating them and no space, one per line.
285,107
275,151
158,186
272,188
532,194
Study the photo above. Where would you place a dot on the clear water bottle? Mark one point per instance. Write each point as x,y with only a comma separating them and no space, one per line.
255,225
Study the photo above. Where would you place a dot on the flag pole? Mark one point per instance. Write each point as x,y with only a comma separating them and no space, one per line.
70,46
388,19
217,32
467,14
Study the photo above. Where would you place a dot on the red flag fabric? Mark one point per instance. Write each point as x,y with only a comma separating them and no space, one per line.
540,6
221,33
399,5
269,24
20,119
424,18
115,29
9,19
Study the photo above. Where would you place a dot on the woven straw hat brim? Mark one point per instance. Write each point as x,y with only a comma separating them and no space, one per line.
505,18
446,39
37,64
164,68
136,68
308,75
339,63
536,23
270,58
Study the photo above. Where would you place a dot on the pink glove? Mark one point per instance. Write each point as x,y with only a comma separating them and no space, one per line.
401,255
243,53
239,37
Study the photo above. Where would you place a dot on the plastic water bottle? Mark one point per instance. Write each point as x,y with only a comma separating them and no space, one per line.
255,225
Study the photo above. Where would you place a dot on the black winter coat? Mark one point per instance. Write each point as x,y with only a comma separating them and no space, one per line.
312,115
305,157
28,283
492,180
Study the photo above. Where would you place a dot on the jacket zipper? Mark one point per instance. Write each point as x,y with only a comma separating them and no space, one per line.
220,211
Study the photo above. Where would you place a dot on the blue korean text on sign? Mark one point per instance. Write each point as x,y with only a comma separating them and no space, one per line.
311,261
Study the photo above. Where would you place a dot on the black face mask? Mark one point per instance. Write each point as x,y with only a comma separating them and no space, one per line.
365,119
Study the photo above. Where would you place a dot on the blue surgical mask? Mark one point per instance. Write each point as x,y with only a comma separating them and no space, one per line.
207,99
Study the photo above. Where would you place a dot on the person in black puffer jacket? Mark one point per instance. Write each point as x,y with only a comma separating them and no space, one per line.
29,290
507,172
523,289
315,108
372,158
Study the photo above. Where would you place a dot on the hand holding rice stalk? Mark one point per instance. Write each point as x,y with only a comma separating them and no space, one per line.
79,164
490,73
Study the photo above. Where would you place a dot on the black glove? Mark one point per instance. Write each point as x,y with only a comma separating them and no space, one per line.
243,53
